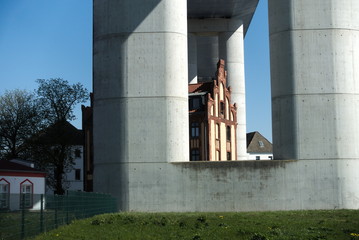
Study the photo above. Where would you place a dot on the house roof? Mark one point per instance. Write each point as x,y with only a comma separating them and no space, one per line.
62,131
8,166
206,87
256,143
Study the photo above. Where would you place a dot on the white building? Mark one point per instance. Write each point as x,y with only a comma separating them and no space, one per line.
258,147
20,183
75,177
73,137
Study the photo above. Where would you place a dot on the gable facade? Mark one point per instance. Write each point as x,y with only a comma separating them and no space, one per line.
212,120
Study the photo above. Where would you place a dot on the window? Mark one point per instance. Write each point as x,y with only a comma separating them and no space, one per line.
4,194
78,153
270,157
195,154
77,174
195,130
195,103
26,194
258,158
261,144
228,133
221,107
229,156
217,131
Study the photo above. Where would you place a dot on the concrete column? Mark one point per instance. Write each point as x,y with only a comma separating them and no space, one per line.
232,51
207,50
192,58
140,89
314,75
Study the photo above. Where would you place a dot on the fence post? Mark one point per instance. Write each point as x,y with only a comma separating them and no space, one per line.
22,205
67,207
56,209
42,213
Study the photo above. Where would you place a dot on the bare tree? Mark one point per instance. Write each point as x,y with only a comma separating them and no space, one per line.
20,118
59,98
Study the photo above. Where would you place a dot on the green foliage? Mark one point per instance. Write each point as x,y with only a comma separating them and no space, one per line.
338,224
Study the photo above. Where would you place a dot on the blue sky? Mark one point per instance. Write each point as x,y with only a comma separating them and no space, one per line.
53,38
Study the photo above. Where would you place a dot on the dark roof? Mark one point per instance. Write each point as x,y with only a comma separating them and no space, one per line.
200,87
6,165
62,131
254,145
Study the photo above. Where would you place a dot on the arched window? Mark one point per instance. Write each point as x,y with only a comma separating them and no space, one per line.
228,133
26,188
4,194
221,107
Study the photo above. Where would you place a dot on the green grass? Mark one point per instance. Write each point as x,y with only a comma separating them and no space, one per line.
11,226
313,225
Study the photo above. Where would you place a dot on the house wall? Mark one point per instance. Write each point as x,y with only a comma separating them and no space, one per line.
221,94
76,185
263,156
235,185
38,184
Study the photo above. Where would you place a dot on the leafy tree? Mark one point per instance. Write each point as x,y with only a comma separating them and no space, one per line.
52,148
20,118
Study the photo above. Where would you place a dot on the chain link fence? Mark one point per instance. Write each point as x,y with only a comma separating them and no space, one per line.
28,217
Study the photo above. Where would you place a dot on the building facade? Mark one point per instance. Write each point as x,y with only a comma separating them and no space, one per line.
258,147
212,119
20,186
87,128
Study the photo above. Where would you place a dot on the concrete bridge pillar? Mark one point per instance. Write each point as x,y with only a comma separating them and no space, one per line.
231,49
192,58
140,88
207,55
314,76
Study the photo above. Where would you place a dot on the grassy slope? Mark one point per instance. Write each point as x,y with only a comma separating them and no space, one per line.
336,224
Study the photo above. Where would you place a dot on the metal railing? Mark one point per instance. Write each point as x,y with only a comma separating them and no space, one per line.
24,217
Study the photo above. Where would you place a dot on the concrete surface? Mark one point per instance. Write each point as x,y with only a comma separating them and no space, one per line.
140,86
239,186
314,77
141,119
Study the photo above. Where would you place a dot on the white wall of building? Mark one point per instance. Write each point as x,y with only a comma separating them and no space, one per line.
261,156
38,188
75,183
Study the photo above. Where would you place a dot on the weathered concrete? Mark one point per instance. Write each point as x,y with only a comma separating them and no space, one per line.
314,76
243,185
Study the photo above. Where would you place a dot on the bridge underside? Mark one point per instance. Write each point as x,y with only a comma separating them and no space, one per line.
146,52
241,9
